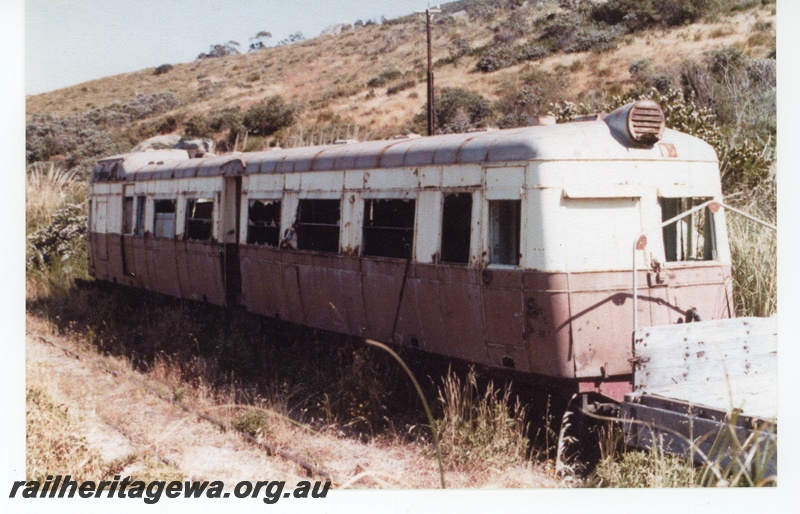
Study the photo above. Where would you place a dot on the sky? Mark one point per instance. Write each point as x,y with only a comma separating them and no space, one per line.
72,41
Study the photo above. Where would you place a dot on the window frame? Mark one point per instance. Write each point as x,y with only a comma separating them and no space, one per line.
516,244
189,219
469,227
302,228
156,217
369,232
676,249
277,204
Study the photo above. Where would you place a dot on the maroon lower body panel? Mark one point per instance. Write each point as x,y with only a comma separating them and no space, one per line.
561,325
184,269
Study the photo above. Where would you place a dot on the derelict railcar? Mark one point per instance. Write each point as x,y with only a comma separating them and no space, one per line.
508,248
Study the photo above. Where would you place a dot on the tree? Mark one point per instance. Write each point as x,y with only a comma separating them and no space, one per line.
258,41
219,50
293,38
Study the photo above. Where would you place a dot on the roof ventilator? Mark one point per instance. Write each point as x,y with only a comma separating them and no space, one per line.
641,122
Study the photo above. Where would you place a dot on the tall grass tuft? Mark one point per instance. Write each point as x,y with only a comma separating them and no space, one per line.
754,255
480,430
47,188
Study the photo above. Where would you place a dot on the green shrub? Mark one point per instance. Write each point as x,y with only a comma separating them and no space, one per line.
640,14
196,126
458,110
495,58
252,422
270,116
528,95
595,40
384,77
164,68
60,240
407,84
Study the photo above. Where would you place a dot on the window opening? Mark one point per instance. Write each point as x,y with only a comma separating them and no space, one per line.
691,238
264,222
318,225
389,228
456,228
199,215
127,215
164,219
504,226
140,205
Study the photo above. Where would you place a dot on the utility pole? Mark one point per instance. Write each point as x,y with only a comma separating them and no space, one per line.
428,15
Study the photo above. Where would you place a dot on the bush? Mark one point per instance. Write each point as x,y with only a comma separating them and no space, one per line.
529,96
164,68
86,135
58,241
725,60
640,14
511,29
268,117
252,422
643,72
496,58
383,78
407,84
596,40
196,126
458,110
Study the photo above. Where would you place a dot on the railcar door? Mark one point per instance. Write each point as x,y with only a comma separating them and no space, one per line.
229,240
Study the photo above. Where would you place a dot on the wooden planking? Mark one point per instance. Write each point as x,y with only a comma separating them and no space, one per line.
723,363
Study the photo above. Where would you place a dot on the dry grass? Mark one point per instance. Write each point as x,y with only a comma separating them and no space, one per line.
52,444
754,253
49,187
158,438
479,430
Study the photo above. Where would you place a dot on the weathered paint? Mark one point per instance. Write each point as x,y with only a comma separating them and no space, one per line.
725,364
563,312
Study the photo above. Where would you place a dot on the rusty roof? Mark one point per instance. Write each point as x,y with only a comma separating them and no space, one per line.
588,140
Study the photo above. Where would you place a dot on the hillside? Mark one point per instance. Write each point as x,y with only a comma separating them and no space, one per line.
369,81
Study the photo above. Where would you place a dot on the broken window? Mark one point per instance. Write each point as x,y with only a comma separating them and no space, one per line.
199,215
264,222
504,225
456,228
389,228
127,215
140,205
164,219
318,225
692,237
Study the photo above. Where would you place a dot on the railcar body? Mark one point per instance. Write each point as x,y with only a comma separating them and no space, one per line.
508,248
